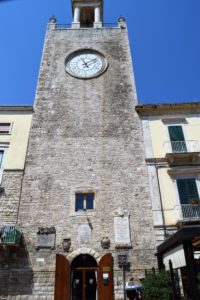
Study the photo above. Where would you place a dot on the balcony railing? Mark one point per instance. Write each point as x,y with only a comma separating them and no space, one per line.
182,146
104,25
10,235
189,212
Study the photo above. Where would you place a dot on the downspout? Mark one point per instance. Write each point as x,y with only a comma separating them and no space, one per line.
162,210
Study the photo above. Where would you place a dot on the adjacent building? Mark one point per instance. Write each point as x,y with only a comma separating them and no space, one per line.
172,146
15,123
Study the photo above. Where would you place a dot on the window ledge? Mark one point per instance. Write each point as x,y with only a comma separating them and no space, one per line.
83,213
183,157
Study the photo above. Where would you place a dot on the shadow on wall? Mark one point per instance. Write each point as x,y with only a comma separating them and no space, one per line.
16,276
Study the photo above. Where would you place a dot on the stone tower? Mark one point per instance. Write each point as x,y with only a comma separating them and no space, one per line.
85,204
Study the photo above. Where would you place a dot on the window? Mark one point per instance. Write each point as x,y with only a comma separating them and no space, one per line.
177,139
84,201
1,157
5,128
187,189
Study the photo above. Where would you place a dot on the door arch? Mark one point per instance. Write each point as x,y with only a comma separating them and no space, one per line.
84,279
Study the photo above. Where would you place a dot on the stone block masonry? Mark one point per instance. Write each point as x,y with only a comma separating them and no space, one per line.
10,196
85,136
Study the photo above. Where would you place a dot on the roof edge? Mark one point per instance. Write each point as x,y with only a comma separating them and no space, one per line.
17,108
163,108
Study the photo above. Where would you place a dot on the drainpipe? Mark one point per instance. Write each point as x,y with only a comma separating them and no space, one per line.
162,210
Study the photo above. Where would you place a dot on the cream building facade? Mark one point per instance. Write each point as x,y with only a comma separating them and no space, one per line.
172,147
15,123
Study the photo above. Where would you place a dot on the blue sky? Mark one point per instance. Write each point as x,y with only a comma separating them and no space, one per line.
164,37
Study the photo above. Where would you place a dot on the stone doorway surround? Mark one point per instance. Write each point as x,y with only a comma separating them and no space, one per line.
84,250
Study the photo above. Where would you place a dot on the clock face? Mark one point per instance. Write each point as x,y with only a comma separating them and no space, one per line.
85,64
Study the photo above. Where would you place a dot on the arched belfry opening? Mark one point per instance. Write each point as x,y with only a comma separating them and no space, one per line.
87,17
87,14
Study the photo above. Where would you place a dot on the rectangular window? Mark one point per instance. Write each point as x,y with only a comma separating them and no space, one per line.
1,157
177,138
84,201
187,189
5,128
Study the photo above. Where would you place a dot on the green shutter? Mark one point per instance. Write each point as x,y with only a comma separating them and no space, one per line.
177,138
176,133
187,190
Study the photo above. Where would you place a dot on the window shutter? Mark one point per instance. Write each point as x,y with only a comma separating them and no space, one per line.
90,201
177,139
187,190
176,133
79,205
62,278
105,291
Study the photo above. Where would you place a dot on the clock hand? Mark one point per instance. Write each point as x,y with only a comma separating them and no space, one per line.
84,63
90,62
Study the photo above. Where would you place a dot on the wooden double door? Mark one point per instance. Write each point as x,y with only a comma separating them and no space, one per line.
84,284
84,279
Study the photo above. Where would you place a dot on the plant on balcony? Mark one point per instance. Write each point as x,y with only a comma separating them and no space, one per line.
10,235
195,201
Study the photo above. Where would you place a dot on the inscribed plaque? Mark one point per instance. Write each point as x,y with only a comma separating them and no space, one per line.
84,233
122,230
46,241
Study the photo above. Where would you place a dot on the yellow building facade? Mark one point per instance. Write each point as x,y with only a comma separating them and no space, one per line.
172,146
15,123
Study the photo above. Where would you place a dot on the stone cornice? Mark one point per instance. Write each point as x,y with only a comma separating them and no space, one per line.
17,108
168,108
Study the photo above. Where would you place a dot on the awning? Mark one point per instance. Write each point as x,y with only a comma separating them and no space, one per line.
176,256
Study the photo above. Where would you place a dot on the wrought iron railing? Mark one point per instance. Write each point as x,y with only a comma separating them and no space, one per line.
104,25
63,26
110,25
10,235
182,146
190,212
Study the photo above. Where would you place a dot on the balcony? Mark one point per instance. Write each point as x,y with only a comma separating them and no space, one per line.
188,213
182,151
10,235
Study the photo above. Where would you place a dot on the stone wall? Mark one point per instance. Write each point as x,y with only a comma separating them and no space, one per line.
10,196
86,136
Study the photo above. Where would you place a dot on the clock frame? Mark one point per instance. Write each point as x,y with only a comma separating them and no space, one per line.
85,64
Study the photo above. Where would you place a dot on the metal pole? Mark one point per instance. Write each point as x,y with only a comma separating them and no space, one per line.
172,280
123,269
191,269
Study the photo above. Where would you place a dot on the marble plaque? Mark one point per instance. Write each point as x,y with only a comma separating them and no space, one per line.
84,234
46,241
122,229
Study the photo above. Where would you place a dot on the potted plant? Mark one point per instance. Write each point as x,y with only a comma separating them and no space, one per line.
194,201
